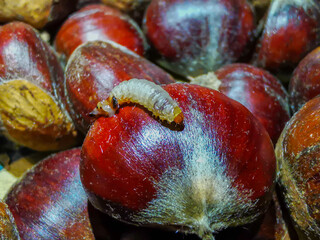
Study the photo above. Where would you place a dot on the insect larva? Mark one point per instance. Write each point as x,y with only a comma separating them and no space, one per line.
143,92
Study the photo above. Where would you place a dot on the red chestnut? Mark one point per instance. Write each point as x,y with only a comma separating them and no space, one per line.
99,22
305,82
195,37
212,171
49,201
95,68
290,32
31,112
256,89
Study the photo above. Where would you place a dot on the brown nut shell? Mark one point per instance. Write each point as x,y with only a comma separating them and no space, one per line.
37,13
298,155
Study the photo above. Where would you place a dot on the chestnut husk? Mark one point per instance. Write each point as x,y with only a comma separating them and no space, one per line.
38,13
94,69
31,112
143,171
298,169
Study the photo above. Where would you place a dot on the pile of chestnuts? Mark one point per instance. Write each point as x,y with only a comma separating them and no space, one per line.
161,119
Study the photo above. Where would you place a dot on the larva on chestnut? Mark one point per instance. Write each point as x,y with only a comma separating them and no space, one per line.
143,92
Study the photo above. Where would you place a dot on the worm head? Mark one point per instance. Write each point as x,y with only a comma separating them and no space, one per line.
106,108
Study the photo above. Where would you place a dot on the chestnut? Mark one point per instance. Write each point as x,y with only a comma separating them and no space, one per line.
256,89
38,13
31,112
8,228
305,81
195,37
290,32
49,201
95,68
213,170
99,22
298,155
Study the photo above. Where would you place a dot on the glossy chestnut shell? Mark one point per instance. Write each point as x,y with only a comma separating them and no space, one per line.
305,81
195,37
95,68
214,171
99,22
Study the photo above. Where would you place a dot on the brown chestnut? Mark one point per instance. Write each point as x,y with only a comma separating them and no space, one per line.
213,170
195,37
99,22
298,168
95,68
31,112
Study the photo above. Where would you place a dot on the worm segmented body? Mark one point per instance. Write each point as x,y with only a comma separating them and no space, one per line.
143,92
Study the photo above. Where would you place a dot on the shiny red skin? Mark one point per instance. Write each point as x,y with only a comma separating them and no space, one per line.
49,201
93,71
24,55
305,81
123,155
99,22
289,34
179,30
258,91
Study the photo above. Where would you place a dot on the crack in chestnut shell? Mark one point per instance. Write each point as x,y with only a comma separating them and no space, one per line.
95,68
290,32
49,201
298,155
99,22
305,81
195,37
27,62
137,170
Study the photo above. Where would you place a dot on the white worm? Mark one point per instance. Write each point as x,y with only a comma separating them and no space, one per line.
143,92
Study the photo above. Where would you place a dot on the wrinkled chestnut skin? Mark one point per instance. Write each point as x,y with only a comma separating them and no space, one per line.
305,81
127,156
260,92
290,32
298,155
25,58
38,13
49,201
195,37
99,22
95,68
